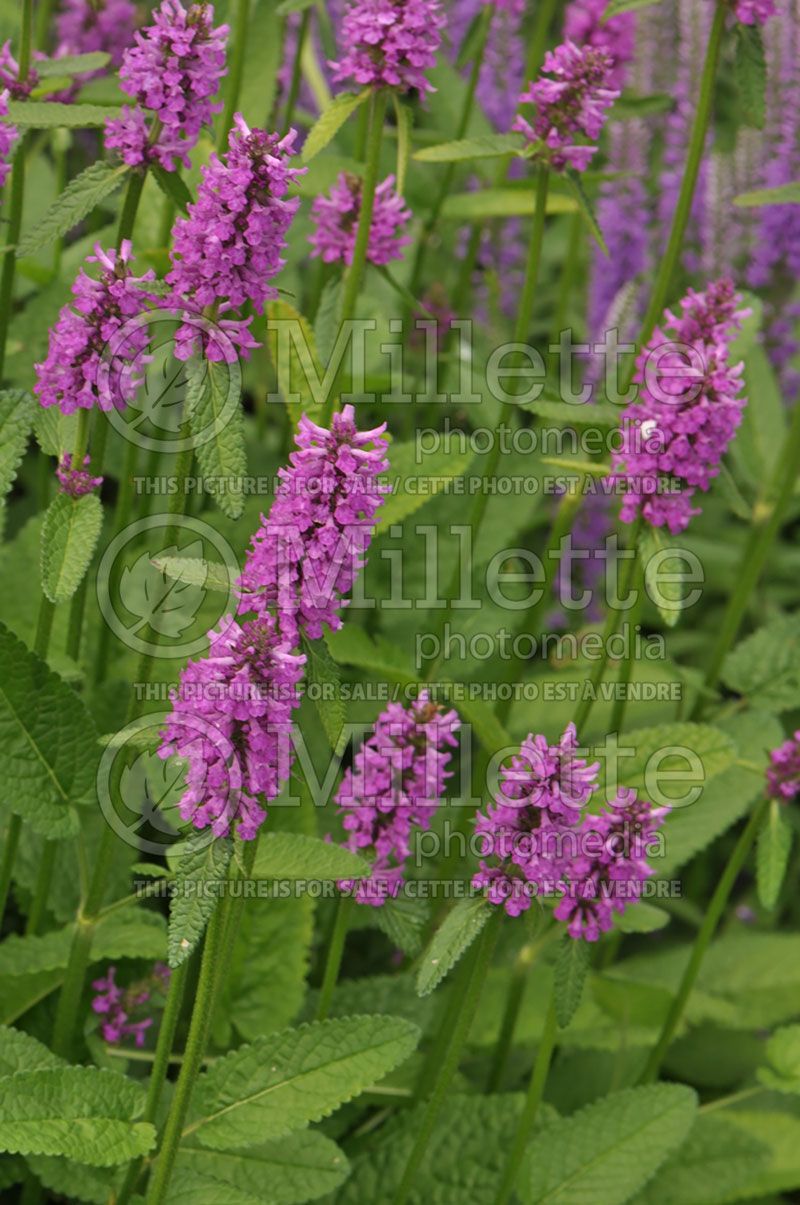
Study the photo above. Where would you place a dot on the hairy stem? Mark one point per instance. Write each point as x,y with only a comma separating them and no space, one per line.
234,82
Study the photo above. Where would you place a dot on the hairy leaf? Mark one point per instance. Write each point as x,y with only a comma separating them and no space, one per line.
572,967
215,417
83,193
453,937
297,856
198,873
330,122
70,532
300,1167
16,420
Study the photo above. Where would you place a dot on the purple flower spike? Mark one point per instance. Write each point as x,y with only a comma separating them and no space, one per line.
231,244
584,26
75,374
19,89
85,26
689,407
571,104
395,786
231,718
783,774
172,72
8,136
305,556
337,217
754,12
76,482
390,43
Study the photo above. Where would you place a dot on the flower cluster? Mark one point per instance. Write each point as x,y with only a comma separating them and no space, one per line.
85,26
74,481
120,1006
535,841
390,43
96,352
230,246
306,554
231,718
18,89
172,72
754,12
395,786
689,407
583,25
337,216
783,773
572,103
8,136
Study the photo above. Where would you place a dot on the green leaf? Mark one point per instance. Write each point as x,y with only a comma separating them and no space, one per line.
414,483
300,1167
779,1133
198,870
83,193
209,575
330,122
501,203
750,71
72,64
782,1054
571,969
16,420
668,596
48,751
608,1150
405,119
772,854
597,414
765,667
326,322
782,194
296,368
326,689
70,532
211,388
575,183
642,918
489,147
453,937
78,1112
76,1181
351,645
20,1052
615,7
49,115
404,922
282,1082
292,6
173,187
710,1167
763,428
296,856
697,752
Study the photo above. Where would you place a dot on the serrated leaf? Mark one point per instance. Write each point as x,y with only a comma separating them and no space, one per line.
208,575
48,115
167,605
210,386
571,969
502,203
79,1112
21,1052
765,667
196,871
413,482
750,70
782,194
782,1054
642,918
54,431
712,1164
48,742
404,922
608,1150
326,321
697,751
130,933
772,855
70,532
297,856
330,122
76,1181
300,1167
282,1082
72,64
491,146
16,421
351,645
173,186
669,597
326,690
575,183
597,414
81,196
453,938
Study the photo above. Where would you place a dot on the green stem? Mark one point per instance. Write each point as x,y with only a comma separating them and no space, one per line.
516,993
234,83
355,273
757,549
530,1109
344,908
120,520
78,601
626,666
130,206
701,943
158,1072
613,620
297,71
456,1039
42,888
16,205
13,833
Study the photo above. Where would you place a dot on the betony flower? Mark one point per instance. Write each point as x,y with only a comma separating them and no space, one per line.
395,786
119,1007
783,773
8,136
86,26
76,482
337,217
172,72
502,71
97,331
689,407
390,43
570,104
18,89
305,555
754,12
231,245
231,720
583,25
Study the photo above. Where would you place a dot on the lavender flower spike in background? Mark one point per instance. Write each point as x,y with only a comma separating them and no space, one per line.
337,215
783,773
